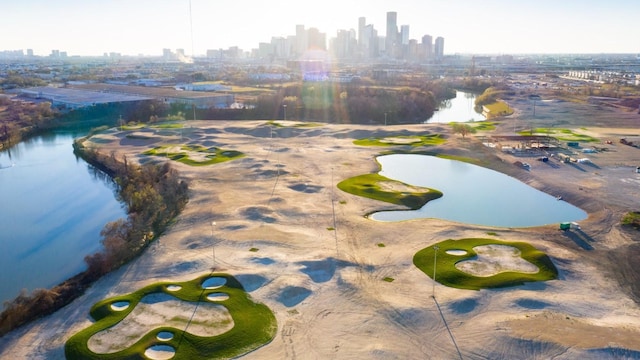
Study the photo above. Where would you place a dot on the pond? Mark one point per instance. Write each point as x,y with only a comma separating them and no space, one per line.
459,109
54,206
473,194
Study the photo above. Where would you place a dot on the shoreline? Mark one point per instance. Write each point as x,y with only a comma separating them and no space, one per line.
348,309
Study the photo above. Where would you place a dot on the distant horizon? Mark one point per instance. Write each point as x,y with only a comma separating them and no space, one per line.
145,27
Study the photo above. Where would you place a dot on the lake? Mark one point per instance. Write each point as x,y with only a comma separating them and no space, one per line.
54,206
458,109
473,194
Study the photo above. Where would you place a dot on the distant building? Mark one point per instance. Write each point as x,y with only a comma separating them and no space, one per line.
168,95
392,33
438,48
404,34
427,47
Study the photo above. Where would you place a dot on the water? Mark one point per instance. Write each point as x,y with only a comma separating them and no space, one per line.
52,209
458,109
473,194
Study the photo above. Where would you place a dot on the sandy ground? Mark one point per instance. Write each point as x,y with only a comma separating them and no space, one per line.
318,266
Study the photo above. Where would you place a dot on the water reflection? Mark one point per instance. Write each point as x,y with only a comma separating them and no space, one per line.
473,194
54,206
459,109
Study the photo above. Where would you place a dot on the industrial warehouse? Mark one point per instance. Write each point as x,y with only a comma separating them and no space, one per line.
78,96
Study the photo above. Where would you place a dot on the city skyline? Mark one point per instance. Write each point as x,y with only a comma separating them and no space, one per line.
146,27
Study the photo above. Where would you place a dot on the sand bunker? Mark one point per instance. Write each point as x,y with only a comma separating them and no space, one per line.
119,305
160,352
174,287
400,140
494,259
157,310
395,186
214,282
456,252
164,336
217,296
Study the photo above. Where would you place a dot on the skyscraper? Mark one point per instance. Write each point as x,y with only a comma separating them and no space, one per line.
362,23
404,34
427,47
392,33
439,47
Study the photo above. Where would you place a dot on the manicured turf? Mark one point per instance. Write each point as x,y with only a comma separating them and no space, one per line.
294,125
213,155
368,185
499,108
409,140
559,134
447,273
254,324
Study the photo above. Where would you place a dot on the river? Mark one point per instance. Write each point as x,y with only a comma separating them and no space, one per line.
459,109
53,207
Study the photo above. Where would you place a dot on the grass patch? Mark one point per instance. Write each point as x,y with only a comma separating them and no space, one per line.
132,126
207,156
294,124
254,249
558,134
492,233
342,202
388,279
498,108
447,273
464,159
410,140
254,324
381,245
331,228
631,219
168,126
483,125
378,187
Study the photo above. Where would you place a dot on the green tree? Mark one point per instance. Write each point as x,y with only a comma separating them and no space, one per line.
463,129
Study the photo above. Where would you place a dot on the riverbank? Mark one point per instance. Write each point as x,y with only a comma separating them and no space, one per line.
276,221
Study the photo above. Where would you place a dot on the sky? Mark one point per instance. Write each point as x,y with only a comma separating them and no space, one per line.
132,27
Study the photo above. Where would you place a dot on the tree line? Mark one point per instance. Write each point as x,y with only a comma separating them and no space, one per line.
154,195
337,103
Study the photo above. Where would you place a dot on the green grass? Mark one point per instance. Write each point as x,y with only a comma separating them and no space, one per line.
369,186
294,125
254,324
447,274
483,125
499,108
254,249
559,134
409,140
132,126
168,126
388,279
381,245
632,219
213,155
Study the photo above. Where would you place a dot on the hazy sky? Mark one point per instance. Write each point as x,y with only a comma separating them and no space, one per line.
131,27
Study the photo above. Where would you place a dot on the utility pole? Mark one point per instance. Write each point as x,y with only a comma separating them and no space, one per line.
435,256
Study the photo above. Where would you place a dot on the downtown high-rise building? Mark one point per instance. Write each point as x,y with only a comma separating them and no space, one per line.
391,41
438,48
